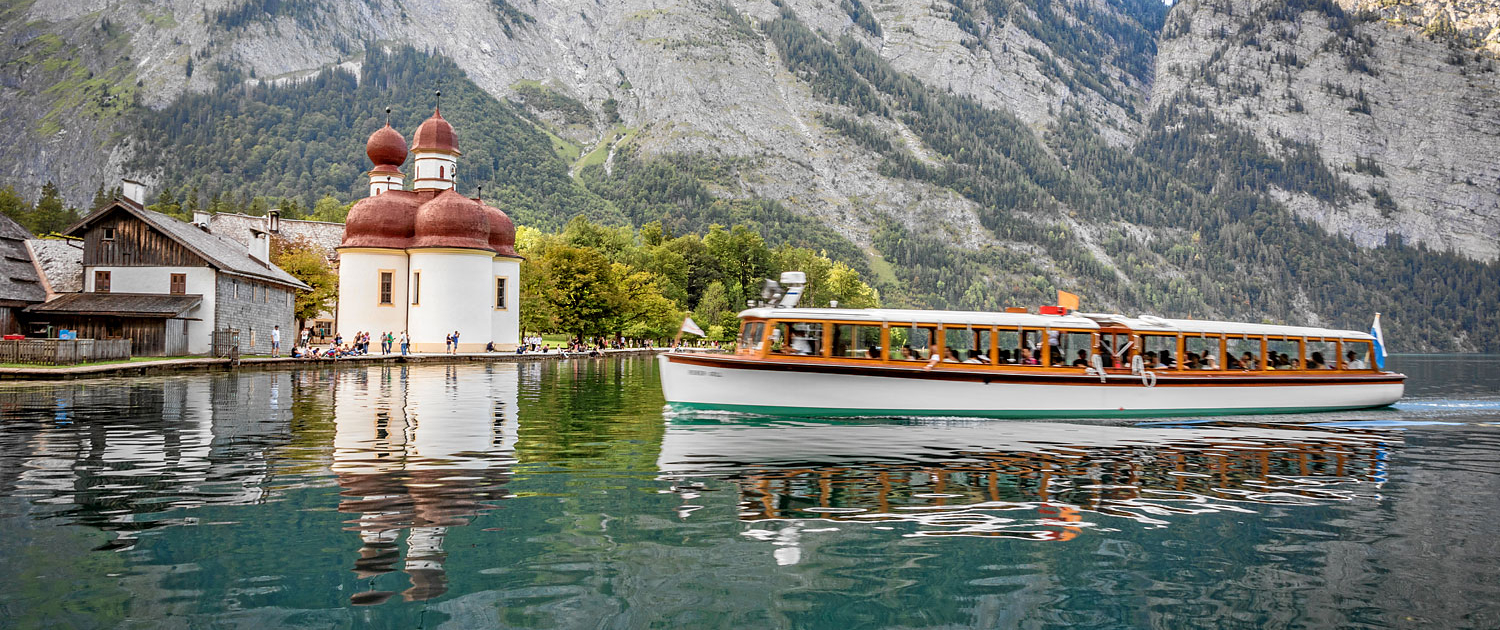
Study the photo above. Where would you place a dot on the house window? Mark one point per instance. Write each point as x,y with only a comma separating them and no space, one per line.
385,288
179,284
101,282
236,289
109,234
499,293
416,288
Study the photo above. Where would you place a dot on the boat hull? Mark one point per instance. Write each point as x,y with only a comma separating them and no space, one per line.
792,388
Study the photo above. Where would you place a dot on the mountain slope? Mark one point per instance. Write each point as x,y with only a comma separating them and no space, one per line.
977,153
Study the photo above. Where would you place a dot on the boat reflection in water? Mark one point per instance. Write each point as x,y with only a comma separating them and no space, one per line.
415,457
1043,481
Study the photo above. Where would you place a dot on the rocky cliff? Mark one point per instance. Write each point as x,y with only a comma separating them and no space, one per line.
975,150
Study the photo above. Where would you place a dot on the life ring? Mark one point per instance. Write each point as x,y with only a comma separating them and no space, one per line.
1148,378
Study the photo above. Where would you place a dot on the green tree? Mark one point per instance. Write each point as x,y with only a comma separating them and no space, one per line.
306,262
581,295
50,216
330,210
14,206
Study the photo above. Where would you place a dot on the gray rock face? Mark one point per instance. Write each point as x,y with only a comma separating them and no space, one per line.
697,75
1391,111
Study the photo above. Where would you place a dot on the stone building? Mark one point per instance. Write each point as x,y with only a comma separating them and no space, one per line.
167,285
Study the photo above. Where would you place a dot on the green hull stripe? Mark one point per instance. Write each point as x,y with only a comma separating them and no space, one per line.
1008,413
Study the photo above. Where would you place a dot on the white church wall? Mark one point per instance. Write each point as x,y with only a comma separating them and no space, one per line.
360,308
505,323
455,296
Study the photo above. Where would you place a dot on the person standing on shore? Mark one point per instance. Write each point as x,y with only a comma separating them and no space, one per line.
405,343
275,341
455,342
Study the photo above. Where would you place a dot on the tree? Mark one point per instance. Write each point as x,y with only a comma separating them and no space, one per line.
307,262
14,206
580,296
50,216
330,210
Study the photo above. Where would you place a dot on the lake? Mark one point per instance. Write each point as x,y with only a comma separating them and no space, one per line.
563,495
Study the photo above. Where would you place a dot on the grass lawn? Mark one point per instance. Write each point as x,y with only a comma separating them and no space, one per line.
131,360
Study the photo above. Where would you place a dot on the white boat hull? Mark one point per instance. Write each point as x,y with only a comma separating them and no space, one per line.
810,390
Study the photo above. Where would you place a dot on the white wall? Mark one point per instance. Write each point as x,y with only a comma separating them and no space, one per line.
359,293
158,280
433,171
457,293
505,324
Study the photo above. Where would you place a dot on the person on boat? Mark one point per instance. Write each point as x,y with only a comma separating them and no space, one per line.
1247,361
1164,360
800,343
1027,359
975,357
1353,362
1317,362
908,354
1210,362
1005,355
950,355
875,352
1082,360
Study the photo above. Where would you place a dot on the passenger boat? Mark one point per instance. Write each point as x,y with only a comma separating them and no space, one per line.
1054,363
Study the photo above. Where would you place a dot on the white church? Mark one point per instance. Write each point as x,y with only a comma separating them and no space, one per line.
428,261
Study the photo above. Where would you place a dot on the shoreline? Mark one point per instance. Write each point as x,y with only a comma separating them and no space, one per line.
210,364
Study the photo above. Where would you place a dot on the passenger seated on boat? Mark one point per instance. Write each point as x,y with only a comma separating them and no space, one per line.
976,357
1027,359
801,344
1318,362
950,355
1210,362
1231,363
1192,361
907,354
1247,361
1164,360
874,352
1082,360
1005,356
1354,362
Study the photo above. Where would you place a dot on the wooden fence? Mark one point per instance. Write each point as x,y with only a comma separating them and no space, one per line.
63,351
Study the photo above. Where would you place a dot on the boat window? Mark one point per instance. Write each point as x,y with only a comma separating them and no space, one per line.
856,342
1243,354
1283,354
1161,351
750,335
1030,350
1072,349
1321,354
966,344
797,338
1115,348
1357,356
1009,343
1201,353
912,343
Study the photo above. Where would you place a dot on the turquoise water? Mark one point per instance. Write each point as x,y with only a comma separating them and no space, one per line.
563,495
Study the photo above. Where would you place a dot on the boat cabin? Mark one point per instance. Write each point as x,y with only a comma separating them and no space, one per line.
1101,343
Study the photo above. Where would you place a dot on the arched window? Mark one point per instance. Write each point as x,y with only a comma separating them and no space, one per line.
441,173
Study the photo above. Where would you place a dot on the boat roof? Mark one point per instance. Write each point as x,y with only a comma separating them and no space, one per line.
914,316
1083,321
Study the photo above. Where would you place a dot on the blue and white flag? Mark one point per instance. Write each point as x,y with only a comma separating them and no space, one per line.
1379,343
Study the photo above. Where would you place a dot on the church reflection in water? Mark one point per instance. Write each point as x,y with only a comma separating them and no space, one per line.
1033,480
416,457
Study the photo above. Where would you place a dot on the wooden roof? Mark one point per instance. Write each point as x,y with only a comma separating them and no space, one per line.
19,283
119,305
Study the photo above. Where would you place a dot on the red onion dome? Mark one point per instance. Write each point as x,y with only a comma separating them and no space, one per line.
435,134
386,220
502,232
452,220
386,147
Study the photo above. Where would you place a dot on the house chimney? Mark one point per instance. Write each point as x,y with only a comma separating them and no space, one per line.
260,247
274,221
134,191
200,219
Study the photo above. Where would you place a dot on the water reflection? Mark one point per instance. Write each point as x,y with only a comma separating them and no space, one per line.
414,458
1032,480
119,458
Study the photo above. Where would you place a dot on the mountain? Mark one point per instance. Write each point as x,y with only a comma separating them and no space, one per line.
1306,161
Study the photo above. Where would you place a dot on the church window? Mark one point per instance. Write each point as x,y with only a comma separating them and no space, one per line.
386,288
416,288
441,172
499,293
